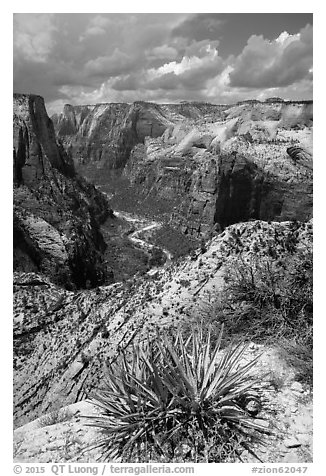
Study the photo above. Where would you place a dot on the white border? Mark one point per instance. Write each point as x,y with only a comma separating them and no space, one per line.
275,6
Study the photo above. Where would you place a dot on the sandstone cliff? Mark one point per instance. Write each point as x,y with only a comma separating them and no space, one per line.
255,163
106,133
209,165
57,214
36,151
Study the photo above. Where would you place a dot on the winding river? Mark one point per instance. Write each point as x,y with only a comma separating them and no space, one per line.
142,225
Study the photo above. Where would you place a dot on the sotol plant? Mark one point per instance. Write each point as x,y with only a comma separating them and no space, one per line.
176,399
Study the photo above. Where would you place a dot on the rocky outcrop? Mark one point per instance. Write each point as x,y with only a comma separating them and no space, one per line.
57,214
36,151
71,119
299,154
60,360
105,134
288,113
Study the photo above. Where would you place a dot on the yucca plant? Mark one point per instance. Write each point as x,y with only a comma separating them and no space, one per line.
176,399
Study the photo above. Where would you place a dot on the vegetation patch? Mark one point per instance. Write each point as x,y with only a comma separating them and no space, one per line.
174,241
57,416
178,399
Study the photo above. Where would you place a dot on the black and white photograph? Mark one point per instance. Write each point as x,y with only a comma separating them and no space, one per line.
162,240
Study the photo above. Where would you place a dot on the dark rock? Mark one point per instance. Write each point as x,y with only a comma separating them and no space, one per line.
36,151
298,153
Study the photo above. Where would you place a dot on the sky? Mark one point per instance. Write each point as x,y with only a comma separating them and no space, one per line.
88,58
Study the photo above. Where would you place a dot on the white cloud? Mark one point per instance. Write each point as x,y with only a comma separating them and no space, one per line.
219,83
187,63
285,38
281,62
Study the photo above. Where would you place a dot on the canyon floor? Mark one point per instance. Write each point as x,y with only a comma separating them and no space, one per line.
131,219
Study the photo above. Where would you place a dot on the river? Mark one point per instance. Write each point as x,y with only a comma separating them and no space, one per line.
142,225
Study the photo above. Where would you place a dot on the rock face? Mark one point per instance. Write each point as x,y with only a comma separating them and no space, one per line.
106,133
35,148
256,163
211,165
57,214
65,358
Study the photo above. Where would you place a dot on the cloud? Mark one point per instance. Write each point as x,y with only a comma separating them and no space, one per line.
202,26
191,72
96,26
33,37
277,63
84,58
164,52
116,64
130,82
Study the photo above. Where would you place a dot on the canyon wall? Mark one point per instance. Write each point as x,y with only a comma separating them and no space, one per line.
57,214
252,164
106,133
212,165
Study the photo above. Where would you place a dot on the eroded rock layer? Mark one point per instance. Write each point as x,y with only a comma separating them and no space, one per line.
106,133
57,214
211,165
253,164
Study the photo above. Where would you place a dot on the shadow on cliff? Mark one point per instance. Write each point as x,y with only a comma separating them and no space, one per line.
245,191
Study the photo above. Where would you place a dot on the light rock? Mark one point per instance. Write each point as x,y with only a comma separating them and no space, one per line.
263,423
304,438
297,387
291,457
292,443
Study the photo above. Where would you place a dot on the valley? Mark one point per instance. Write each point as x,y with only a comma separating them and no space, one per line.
136,219
142,228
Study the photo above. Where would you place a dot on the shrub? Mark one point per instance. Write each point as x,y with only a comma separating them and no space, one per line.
57,416
178,399
272,300
278,290
157,257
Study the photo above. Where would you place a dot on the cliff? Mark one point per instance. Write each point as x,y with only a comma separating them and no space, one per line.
57,214
207,165
36,151
254,163
106,133
210,167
